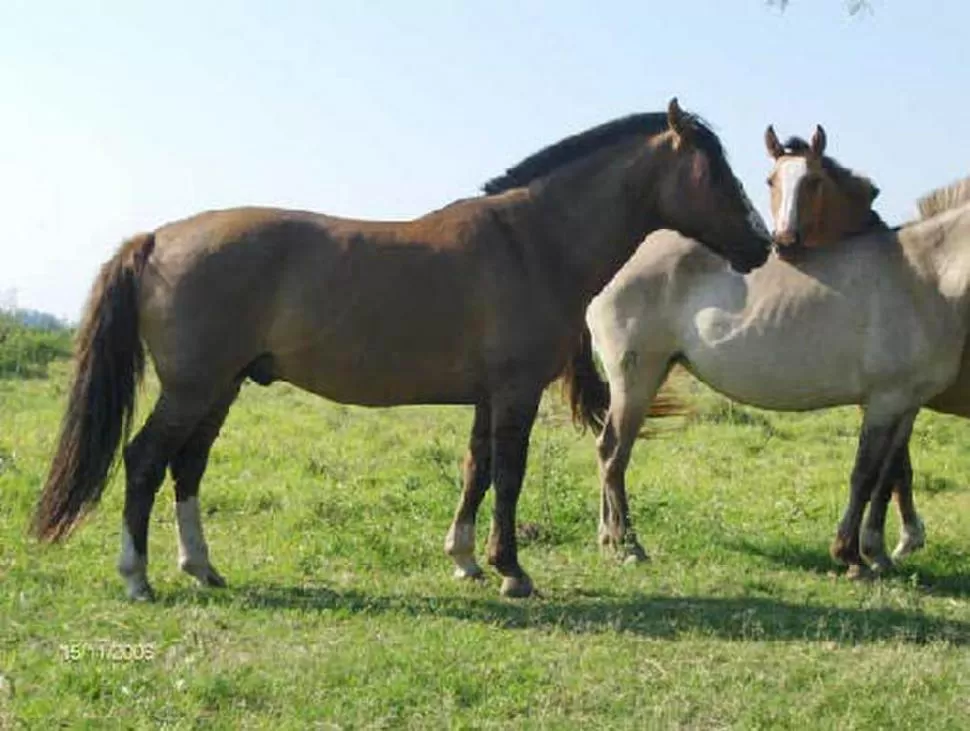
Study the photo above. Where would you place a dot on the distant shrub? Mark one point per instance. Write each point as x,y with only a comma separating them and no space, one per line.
25,351
38,320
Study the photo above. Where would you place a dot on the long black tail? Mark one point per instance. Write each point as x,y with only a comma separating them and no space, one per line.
109,362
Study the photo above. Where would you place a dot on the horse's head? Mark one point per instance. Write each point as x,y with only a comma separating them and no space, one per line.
814,200
702,198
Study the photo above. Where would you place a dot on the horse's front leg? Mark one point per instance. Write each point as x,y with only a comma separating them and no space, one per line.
614,447
634,383
513,413
476,478
899,479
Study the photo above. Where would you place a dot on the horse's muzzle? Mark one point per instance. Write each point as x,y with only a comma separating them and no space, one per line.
786,238
749,260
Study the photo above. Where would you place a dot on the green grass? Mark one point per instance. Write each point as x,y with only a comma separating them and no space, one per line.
328,523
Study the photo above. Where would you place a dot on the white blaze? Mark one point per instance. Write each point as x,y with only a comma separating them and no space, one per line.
791,172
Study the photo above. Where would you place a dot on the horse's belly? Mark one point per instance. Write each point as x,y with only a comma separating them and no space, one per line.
378,379
792,379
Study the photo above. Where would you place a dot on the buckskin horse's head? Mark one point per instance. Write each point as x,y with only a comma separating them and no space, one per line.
814,200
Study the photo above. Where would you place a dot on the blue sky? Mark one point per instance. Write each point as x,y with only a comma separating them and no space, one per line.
116,117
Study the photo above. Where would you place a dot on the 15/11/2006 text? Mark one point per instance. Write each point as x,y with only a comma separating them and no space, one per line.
107,651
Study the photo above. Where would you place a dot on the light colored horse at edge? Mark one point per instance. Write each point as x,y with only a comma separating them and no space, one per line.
879,320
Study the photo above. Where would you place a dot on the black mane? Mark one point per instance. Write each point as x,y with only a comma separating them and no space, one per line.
580,145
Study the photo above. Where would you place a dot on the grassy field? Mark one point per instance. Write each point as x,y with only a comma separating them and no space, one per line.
328,523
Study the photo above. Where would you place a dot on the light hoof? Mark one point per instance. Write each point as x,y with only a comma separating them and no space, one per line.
859,572
626,550
873,548
517,587
466,567
469,572
460,545
909,542
905,548
132,569
140,592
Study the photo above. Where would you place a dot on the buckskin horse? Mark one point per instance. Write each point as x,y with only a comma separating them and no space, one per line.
877,319
478,303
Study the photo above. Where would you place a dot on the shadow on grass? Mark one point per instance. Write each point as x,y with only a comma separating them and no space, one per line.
950,581
747,619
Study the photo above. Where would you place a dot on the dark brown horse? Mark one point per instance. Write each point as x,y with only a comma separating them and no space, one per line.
481,303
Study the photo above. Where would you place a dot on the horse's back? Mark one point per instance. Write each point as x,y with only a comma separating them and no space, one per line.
358,311
828,328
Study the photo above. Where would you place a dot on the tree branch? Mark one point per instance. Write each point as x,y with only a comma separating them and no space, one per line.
853,6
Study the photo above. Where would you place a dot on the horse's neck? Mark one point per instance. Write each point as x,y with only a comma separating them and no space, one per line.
872,224
592,223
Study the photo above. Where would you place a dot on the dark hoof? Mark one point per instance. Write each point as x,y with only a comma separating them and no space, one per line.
517,587
206,575
881,564
143,593
845,552
633,555
214,580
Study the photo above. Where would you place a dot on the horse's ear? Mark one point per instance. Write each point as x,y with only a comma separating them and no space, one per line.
677,118
819,140
873,192
771,142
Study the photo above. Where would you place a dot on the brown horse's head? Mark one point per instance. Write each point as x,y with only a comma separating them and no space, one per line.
702,198
814,200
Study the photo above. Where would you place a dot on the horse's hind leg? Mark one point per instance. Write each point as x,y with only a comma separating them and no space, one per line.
632,391
477,476
872,472
912,535
187,468
899,479
169,425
